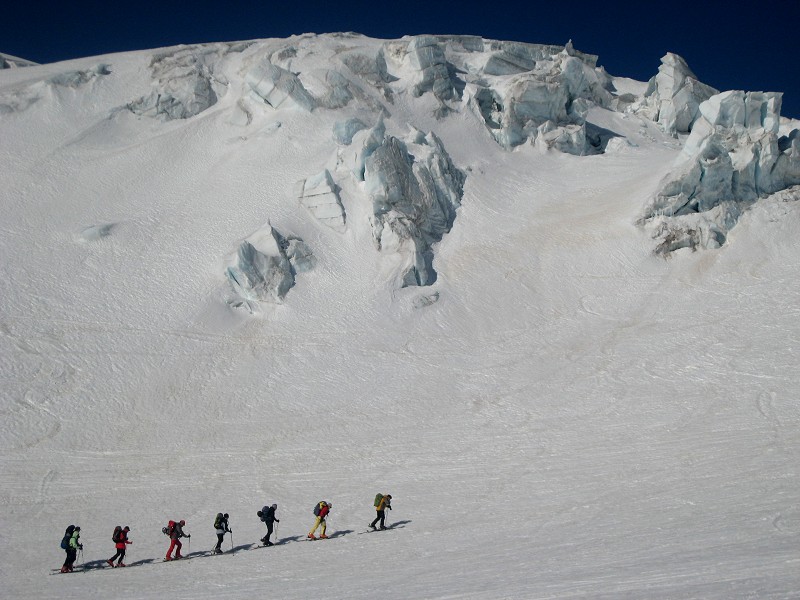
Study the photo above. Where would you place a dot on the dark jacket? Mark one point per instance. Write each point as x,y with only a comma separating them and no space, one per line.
268,515
177,532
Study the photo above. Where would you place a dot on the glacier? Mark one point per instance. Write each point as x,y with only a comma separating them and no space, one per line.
471,273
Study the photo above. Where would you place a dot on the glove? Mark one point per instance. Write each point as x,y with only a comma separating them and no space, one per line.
389,507
277,520
189,535
80,546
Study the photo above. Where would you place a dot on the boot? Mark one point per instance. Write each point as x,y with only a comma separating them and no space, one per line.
110,562
323,537
312,536
121,565
64,570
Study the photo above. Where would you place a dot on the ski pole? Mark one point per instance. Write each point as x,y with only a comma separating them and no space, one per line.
231,532
277,539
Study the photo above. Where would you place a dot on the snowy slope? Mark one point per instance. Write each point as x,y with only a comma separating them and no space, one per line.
561,414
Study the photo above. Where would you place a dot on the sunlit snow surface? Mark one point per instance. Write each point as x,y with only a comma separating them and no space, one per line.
561,414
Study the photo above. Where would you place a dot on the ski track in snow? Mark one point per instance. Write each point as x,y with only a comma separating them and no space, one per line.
574,417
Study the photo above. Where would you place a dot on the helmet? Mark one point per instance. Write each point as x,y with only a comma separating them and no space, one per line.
77,528
182,522
225,516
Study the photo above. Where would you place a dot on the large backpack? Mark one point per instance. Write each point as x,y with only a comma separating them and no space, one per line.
378,500
218,521
317,508
67,535
117,535
168,529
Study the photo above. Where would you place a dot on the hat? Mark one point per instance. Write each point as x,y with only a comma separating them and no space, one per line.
126,528
225,516
274,506
183,522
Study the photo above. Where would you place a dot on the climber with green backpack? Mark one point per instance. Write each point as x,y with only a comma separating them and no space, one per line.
382,502
221,526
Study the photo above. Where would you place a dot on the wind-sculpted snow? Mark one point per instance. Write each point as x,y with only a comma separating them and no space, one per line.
415,190
12,62
673,97
264,267
22,98
733,156
186,82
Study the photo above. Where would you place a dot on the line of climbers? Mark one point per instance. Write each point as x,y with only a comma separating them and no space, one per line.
174,530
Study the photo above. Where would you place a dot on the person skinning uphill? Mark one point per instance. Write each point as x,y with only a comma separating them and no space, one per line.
120,539
175,532
267,514
321,510
71,545
221,526
382,502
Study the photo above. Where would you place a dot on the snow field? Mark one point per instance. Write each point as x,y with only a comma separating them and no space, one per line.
573,418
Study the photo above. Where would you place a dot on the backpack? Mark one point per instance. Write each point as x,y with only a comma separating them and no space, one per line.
378,500
218,521
116,537
168,529
317,509
67,535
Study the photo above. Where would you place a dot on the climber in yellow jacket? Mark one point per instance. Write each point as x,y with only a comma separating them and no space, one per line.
382,502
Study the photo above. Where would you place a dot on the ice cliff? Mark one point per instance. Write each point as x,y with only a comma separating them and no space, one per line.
734,156
674,95
264,266
383,171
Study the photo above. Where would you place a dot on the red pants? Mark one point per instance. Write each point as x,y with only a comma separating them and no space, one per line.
177,545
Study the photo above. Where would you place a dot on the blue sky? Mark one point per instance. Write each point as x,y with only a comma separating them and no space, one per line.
727,45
